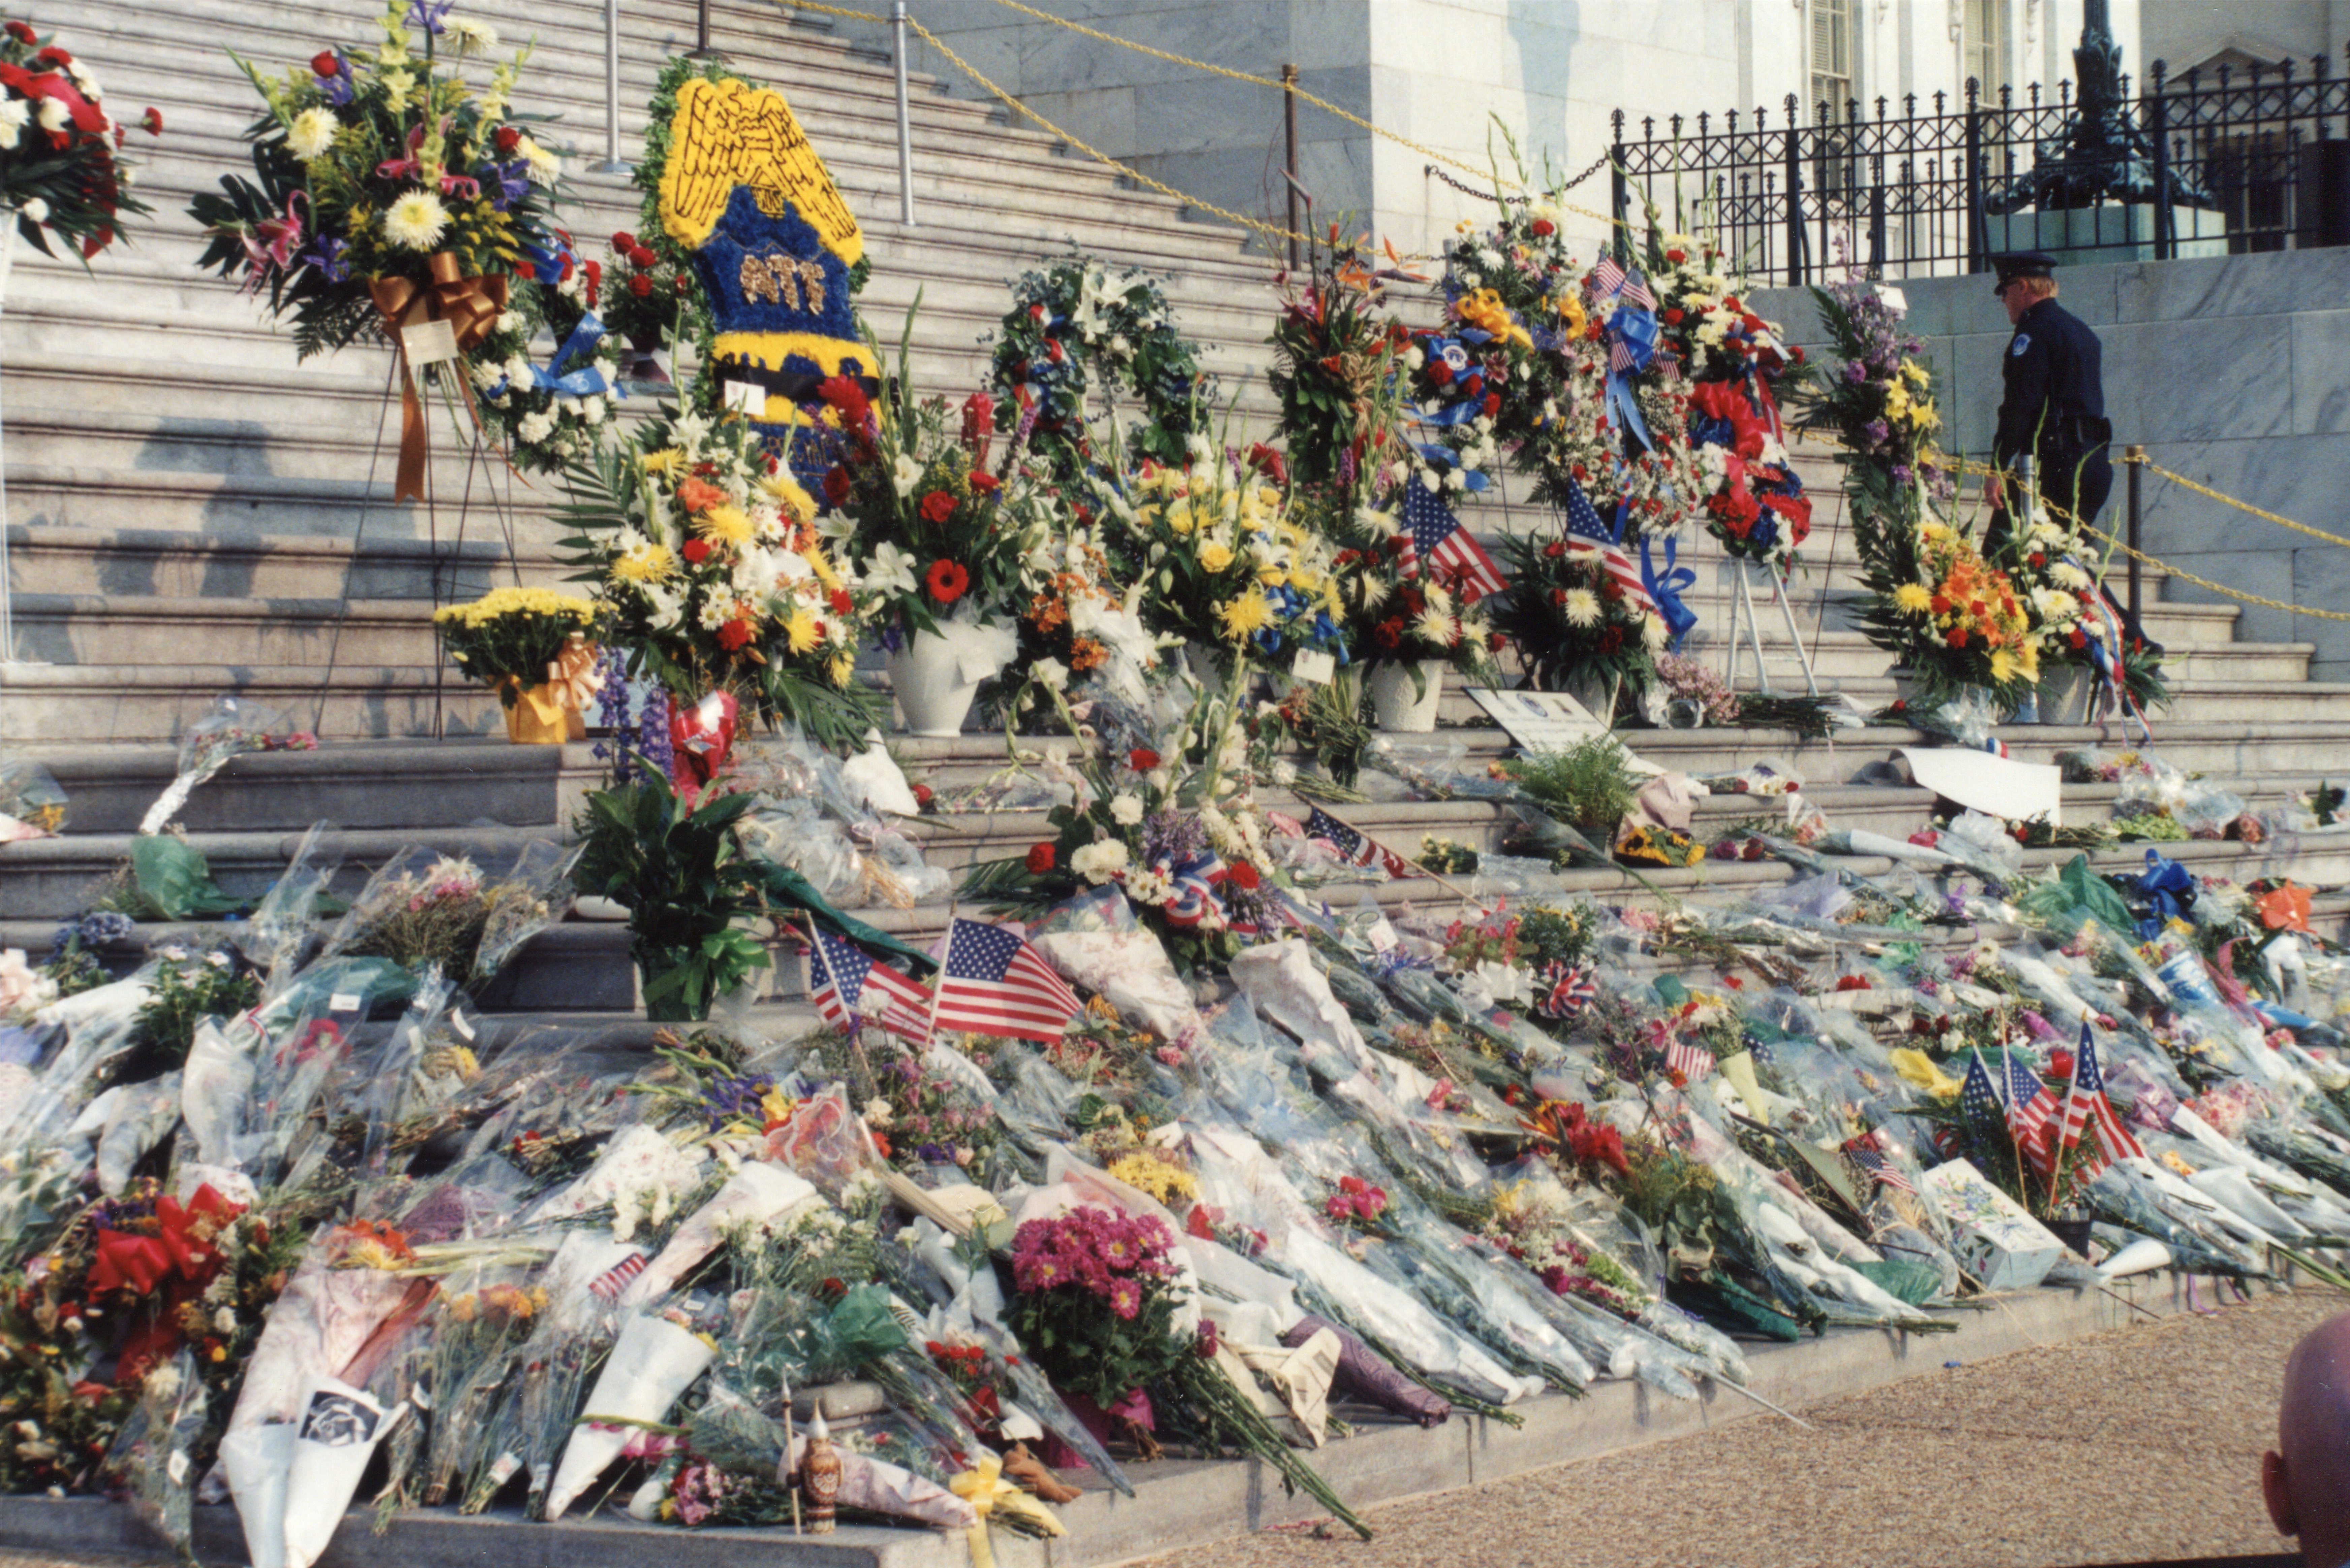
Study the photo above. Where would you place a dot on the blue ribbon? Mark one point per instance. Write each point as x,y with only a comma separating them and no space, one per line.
2168,887
584,382
1665,586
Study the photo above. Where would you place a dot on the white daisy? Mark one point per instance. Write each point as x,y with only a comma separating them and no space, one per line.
416,221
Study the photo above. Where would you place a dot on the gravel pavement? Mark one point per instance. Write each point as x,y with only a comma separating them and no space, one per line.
2138,1444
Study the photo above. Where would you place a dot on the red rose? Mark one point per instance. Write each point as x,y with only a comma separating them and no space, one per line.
1240,874
1142,759
938,506
733,635
841,603
985,483
1391,632
1958,638
836,485
641,258
696,551
324,63
623,242
947,581
1040,858
641,286
1673,316
153,121
1543,228
507,139
2078,639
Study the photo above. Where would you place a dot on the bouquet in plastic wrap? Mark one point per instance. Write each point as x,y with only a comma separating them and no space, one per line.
235,725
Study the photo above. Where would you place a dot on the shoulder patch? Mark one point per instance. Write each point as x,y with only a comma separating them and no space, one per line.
2022,341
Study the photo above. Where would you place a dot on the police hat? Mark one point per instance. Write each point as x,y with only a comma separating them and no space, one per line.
2022,264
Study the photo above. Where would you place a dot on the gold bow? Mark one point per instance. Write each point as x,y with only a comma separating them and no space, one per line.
983,1487
572,674
471,306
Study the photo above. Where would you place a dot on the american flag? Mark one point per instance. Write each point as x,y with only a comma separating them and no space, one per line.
1432,535
2030,1109
994,983
845,984
2086,1101
608,1285
1585,534
1351,846
1608,276
1690,1062
1977,1097
1871,1162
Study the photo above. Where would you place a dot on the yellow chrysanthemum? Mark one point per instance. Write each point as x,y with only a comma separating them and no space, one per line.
1438,628
1582,608
1912,600
822,567
2004,667
645,564
664,461
801,632
1245,616
787,493
725,526
843,667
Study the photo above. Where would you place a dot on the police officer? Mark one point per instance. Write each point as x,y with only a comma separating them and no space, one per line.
2053,413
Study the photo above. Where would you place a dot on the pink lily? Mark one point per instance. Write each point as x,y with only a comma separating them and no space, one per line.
274,241
407,168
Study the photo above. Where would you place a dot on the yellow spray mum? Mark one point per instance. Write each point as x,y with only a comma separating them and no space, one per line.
725,526
787,492
1913,599
1245,616
801,632
665,462
645,564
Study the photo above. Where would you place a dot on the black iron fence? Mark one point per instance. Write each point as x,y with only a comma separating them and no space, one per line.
2201,164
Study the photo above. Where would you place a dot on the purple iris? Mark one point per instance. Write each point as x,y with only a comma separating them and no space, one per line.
429,15
506,183
337,88
328,257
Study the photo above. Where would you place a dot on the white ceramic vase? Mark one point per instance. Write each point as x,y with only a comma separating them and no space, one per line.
934,698
1403,707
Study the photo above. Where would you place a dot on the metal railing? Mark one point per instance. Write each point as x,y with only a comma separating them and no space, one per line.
2227,163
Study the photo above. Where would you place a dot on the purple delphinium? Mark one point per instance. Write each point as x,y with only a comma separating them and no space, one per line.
653,733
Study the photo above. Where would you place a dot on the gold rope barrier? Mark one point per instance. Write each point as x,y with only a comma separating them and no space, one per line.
2186,483
1273,230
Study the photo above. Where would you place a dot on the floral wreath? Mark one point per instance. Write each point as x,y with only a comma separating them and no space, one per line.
1076,322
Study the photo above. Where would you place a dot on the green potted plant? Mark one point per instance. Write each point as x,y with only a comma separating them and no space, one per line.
685,880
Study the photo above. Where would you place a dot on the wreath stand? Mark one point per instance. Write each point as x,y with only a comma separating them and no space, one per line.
1742,616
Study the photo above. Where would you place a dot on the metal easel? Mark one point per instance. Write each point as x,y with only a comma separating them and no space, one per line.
1743,615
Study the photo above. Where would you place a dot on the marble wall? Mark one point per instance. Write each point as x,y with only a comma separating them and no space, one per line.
1442,73
2233,372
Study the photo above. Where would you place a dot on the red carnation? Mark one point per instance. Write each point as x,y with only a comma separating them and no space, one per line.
1940,606
507,139
1493,408
25,35
733,635
1040,858
841,603
947,581
696,551
641,286
1543,228
1673,316
595,271
1240,874
2038,559
153,121
1142,759
843,393
938,506
53,56
1677,257
2078,639
1472,385
985,483
836,485
1958,638
1391,632
1440,372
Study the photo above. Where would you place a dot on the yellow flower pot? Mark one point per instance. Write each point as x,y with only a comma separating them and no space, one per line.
536,717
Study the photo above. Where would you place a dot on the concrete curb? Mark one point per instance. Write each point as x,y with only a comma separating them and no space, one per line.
1181,1502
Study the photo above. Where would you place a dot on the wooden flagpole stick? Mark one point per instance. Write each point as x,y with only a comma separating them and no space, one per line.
792,1484
1463,894
872,1084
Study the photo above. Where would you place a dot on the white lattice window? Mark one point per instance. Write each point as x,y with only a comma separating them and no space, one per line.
1985,45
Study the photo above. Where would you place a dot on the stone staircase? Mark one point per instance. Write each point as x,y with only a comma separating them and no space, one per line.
191,512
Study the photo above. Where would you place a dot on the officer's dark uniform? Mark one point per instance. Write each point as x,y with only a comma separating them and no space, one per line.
2054,407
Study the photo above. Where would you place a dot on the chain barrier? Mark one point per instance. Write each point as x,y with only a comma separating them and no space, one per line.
1970,469
1596,165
